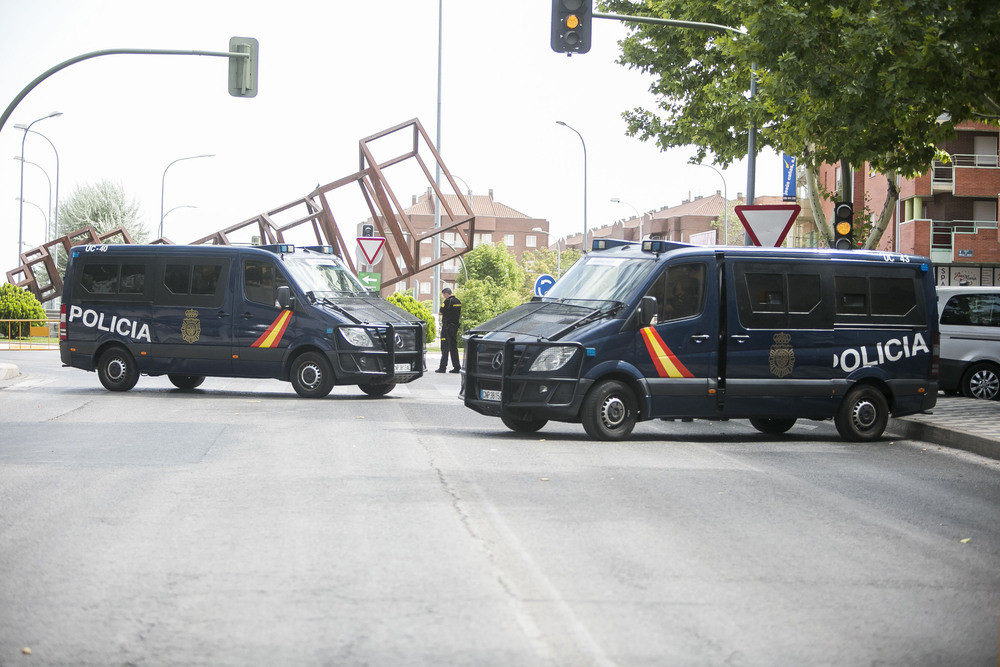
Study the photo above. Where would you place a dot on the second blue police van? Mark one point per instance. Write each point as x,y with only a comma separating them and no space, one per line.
666,330
187,312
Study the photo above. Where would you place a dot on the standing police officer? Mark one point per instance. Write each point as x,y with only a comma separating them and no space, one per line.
451,311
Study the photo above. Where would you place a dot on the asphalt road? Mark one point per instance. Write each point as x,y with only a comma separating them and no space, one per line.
241,525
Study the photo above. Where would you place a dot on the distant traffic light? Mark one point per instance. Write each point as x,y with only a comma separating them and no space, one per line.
843,225
571,22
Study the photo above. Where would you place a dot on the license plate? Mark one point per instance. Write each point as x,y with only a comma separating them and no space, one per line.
402,368
489,394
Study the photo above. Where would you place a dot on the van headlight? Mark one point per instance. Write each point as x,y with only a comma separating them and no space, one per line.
552,359
357,337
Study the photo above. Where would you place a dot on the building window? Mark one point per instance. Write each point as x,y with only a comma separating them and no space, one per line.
485,238
508,240
531,241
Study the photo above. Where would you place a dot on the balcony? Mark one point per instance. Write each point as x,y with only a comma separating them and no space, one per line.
943,236
943,173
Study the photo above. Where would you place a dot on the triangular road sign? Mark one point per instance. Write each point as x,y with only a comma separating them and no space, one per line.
767,224
371,248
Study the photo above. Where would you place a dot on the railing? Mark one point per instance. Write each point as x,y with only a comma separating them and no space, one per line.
40,334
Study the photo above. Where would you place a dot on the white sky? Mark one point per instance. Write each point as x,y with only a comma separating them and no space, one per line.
331,73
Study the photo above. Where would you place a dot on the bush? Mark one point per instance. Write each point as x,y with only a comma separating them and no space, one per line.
406,301
19,304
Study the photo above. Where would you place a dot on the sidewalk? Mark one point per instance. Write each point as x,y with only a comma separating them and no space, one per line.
961,423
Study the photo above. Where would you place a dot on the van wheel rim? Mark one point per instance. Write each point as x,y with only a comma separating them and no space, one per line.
310,376
985,384
613,412
116,370
865,415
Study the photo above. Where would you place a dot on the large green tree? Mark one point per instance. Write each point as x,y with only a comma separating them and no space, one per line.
859,81
495,284
105,206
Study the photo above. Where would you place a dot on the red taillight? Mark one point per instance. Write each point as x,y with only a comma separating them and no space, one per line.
62,322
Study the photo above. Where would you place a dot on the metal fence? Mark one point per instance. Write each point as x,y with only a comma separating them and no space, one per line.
42,335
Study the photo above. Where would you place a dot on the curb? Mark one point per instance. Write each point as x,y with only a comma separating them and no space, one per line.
948,437
8,371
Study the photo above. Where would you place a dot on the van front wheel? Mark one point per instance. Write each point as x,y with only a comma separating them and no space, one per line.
312,376
863,415
772,426
117,370
609,412
982,381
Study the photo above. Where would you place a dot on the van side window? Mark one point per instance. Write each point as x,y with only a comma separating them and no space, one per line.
261,280
975,310
685,292
781,296
877,296
194,284
113,278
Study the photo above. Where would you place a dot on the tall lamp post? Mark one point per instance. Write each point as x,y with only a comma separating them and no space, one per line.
20,222
55,212
49,214
725,201
163,181
583,244
616,200
558,251
40,210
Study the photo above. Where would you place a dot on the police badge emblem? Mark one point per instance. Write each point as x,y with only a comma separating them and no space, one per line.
191,326
782,356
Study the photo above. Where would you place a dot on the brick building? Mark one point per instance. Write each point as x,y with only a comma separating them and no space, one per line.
948,214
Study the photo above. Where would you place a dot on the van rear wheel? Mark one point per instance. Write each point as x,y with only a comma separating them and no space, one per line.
377,390
981,381
772,426
117,370
312,376
609,412
529,425
863,415
186,381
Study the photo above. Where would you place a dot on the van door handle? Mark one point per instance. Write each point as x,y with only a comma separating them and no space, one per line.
221,314
247,315
741,339
700,338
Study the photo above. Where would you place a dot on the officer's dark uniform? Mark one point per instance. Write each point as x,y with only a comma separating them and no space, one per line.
451,312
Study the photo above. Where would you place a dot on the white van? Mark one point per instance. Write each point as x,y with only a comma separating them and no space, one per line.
970,341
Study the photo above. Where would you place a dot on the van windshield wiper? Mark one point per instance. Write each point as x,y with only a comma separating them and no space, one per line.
594,315
329,303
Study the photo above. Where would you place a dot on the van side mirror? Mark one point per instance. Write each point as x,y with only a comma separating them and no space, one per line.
647,310
284,294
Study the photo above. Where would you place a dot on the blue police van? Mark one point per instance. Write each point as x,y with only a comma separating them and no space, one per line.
187,312
664,330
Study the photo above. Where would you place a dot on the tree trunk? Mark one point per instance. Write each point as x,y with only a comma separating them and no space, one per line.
878,229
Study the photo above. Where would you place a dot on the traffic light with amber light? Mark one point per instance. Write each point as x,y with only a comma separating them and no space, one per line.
843,225
571,23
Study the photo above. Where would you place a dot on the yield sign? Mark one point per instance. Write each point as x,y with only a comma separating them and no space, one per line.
767,224
371,248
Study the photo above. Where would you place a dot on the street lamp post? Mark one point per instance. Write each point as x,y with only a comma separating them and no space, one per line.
558,251
464,270
20,223
54,212
40,210
49,215
583,245
163,181
616,200
725,201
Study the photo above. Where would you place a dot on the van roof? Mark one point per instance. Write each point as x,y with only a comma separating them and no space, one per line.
177,249
671,249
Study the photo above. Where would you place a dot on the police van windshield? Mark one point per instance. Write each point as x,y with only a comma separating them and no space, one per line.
596,278
324,275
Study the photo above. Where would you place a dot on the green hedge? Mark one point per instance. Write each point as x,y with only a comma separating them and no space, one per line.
19,304
406,301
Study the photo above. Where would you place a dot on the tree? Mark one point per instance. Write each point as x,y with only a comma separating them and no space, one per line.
104,206
22,307
863,81
406,301
495,284
495,261
545,260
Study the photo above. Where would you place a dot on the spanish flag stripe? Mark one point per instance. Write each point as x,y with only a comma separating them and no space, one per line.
272,336
666,362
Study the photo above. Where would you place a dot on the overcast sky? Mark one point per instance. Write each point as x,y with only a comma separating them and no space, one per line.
331,73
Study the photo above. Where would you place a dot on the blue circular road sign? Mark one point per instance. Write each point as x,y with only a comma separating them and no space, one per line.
543,284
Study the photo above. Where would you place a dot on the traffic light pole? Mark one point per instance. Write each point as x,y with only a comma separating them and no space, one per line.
110,52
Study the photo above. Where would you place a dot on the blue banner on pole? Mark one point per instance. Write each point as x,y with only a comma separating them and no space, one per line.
788,178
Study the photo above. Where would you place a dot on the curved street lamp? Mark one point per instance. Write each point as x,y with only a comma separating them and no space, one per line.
54,212
49,215
20,223
40,210
583,244
725,201
163,181
616,200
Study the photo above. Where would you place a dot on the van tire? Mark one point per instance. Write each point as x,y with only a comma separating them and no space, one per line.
377,390
186,381
117,370
772,426
981,381
863,414
609,411
311,376
530,425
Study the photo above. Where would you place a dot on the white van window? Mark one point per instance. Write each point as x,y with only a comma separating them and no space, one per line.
976,310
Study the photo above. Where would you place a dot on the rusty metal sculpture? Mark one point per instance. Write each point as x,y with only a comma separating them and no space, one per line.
39,273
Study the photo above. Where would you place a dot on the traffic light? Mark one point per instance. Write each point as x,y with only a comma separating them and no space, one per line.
843,225
243,70
571,21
